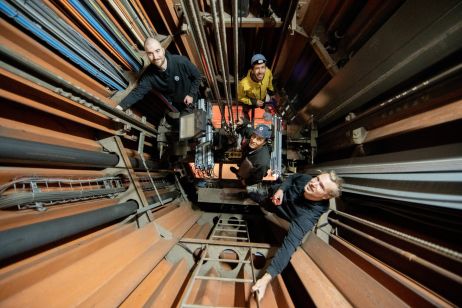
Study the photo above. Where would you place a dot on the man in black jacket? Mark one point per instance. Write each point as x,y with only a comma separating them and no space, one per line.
301,200
256,153
173,76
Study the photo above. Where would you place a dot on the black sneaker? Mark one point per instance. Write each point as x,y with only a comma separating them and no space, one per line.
234,170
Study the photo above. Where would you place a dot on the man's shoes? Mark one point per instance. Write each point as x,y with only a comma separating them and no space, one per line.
234,170
257,192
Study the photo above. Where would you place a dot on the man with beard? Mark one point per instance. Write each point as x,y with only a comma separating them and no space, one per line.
301,200
256,153
255,89
174,76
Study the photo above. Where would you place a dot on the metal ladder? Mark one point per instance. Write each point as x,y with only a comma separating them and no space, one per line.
221,227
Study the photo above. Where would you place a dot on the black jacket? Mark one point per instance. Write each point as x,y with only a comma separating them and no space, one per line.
181,78
258,162
300,212
255,163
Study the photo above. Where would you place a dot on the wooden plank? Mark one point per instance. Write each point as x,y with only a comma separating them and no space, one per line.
444,114
115,291
21,275
78,282
142,293
319,287
360,289
179,220
167,293
281,293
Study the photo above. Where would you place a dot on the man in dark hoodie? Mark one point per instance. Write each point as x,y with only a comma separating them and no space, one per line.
174,76
301,200
256,153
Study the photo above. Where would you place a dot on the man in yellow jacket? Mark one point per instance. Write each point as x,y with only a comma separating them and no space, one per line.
256,88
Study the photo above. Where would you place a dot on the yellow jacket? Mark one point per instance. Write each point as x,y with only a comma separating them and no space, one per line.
250,91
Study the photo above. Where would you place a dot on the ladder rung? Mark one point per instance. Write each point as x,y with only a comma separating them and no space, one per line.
227,260
234,219
231,230
224,279
230,237
234,225
206,306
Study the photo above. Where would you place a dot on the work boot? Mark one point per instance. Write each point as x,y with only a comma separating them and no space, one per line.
234,170
257,192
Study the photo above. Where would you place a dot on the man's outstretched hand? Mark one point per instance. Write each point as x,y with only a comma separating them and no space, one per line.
277,197
188,100
260,286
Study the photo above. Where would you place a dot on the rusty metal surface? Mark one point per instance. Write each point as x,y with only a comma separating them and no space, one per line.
411,292
360,289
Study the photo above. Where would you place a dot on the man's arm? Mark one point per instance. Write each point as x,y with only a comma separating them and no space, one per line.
256,175
270,88
243,98
244,128
297,230
143,87
195,77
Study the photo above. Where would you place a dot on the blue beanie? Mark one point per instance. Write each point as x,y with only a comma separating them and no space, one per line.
257,59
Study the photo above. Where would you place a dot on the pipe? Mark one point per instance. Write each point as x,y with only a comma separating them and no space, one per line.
49,20
24,239
224,48
236,56
57,45
134,63
408,92
200,46
220,50
137,164
195,39
20,151
101,105
202,39
450,278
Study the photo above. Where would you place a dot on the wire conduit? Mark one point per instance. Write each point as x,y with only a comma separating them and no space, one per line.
23,239
14,150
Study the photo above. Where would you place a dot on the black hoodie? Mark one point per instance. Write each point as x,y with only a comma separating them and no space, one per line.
181,78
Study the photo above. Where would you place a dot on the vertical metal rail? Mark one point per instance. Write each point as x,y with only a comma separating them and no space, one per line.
192,20
236,56
141,153
195,39
276,162
252,266
225,57
221,59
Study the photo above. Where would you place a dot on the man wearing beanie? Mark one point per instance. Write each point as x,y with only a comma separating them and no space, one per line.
256,153
256,88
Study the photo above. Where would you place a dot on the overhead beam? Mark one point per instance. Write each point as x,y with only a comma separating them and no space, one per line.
387,59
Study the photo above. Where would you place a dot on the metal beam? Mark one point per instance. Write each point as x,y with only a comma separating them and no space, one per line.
386,60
